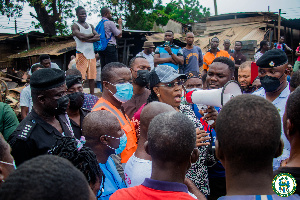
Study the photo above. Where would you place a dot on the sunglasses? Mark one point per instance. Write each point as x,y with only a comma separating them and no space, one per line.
172,84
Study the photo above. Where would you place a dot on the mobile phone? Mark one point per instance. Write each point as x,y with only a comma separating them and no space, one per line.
167,43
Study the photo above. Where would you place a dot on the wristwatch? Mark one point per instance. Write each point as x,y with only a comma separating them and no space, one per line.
171,53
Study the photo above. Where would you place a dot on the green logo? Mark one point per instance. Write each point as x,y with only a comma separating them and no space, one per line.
284,184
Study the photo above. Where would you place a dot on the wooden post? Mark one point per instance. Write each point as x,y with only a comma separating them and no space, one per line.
216,7
27,39
16,29
279,22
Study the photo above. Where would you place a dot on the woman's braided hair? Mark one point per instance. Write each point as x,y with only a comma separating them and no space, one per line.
83,159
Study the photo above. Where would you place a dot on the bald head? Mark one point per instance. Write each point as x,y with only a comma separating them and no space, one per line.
149,112
99,123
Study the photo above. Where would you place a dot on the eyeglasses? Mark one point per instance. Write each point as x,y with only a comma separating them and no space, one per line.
172,84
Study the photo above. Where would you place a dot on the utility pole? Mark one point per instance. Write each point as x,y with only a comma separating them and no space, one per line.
16,26
216,8
279,22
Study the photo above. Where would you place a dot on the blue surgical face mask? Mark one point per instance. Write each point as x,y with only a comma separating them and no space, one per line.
123,142
12,164
124,92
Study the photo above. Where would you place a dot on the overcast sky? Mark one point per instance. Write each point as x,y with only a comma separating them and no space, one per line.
290,7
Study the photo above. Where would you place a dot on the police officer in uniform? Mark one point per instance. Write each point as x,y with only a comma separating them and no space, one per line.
75,111
47,121
272,71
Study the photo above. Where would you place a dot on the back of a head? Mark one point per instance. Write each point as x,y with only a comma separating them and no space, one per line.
248,131
103,11
73,72
97,123
106,73
46,177
171,137
293,109
295,79
43,57
226,61
149,112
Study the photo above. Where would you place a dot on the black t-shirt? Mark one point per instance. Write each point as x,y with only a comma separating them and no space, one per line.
76,128
294,171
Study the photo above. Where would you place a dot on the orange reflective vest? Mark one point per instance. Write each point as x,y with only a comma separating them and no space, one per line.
126,125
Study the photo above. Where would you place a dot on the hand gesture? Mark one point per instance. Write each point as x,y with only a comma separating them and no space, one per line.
168,49
120,21
201,136
212,114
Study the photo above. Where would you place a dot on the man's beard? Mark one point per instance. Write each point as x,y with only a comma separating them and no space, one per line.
247,89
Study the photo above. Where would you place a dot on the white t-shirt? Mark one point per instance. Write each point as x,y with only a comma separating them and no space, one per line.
25,98
53,66
150,58
136,170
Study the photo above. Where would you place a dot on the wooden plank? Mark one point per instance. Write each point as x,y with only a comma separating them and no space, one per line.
221,27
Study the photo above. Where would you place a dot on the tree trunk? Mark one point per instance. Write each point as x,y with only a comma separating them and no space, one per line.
47,21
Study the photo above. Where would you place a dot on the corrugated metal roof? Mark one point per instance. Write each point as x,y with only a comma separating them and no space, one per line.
55,49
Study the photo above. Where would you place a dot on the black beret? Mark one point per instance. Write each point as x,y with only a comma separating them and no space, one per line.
47,78
72,80
272,58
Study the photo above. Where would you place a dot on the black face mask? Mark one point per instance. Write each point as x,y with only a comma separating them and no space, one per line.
62,105
76,100
142,78
269,83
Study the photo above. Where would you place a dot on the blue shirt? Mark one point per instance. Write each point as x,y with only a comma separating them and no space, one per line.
193,58
279,103
113,180
164,54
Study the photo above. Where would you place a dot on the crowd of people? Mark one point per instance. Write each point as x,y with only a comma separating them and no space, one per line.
143,139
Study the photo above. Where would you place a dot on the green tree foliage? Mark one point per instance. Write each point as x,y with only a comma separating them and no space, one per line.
137,14
51,14
184,11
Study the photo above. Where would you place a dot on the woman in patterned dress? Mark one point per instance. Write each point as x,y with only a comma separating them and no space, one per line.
166,87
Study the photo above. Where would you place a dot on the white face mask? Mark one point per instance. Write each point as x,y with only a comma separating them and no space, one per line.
12,164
